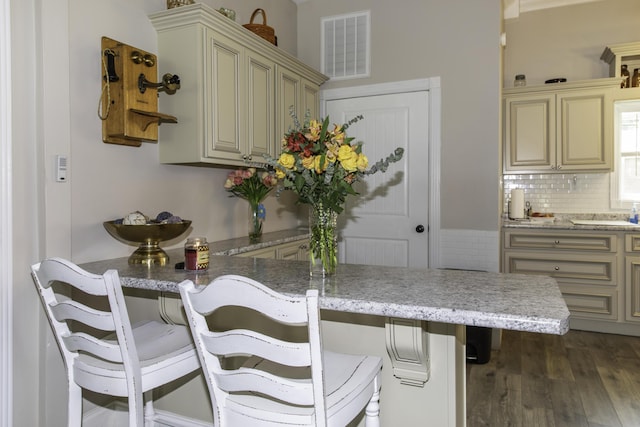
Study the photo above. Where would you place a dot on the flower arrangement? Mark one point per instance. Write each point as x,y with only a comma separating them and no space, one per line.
321,165
252,186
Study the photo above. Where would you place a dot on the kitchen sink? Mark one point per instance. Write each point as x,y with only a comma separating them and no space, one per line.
601,222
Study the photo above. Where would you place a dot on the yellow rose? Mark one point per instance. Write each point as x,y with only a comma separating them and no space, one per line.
287,160
280,173
362,162
308,162
350,164
345,152
320,168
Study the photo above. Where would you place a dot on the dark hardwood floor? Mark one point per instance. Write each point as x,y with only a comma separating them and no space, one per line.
579,379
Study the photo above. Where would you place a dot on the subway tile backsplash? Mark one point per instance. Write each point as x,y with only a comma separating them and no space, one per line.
562,193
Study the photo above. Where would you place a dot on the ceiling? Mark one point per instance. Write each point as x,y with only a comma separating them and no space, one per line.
513,8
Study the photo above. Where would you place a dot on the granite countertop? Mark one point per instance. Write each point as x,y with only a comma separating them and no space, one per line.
563,222
507,301
242,244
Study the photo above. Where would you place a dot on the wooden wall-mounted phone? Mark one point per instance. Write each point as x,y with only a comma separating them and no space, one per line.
129,111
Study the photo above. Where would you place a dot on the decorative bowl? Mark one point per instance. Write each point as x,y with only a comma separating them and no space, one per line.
148,236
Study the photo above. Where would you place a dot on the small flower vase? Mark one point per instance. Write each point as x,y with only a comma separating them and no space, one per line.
256,217
323,241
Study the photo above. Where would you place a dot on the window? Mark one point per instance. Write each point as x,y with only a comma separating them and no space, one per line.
626,177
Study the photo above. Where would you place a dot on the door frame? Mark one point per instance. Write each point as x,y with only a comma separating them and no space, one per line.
432,85
6,207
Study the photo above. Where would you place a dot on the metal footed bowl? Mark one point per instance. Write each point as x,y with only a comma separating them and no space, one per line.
148,236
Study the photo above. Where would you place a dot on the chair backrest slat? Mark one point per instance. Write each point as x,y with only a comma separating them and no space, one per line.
298,392
77,342
236,342
73,310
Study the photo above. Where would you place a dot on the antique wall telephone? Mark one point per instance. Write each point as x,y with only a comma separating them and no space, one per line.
129,112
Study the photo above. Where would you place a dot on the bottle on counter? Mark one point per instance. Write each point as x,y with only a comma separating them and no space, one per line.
635,79
624,73
633,218
196,254
520,81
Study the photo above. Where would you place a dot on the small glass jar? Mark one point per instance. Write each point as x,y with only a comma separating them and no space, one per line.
635,79
520,81
624,73
196,254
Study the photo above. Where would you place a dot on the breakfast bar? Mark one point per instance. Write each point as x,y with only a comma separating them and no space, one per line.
414,318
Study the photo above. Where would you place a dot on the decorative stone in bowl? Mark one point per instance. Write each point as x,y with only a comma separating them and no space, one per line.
148,236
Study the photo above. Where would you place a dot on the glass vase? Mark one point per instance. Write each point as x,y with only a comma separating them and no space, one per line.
256,217
323,241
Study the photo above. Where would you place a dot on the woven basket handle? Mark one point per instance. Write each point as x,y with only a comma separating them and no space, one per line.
264,16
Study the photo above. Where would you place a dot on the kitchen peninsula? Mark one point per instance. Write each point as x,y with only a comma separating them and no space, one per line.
413,318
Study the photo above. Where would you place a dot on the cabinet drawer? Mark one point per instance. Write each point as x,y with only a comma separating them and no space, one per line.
632,242
595,303
574,241
576,268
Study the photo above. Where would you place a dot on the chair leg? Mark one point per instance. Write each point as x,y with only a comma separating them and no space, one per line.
74,406
372,411
149,412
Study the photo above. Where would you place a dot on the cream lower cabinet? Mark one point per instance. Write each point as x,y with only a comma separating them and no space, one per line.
598,273
559,128
230,105
295,251
632,277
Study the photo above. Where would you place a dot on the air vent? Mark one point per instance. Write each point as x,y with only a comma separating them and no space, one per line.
345,45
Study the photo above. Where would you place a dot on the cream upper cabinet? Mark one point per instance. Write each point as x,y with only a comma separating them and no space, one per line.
294,92
230,105
559,128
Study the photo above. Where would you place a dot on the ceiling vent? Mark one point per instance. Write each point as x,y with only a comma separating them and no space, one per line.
345,45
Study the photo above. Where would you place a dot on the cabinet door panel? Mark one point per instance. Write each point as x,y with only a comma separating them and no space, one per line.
593,303
226,100
581,136
583,269
530,136
574,241
632,296
260,125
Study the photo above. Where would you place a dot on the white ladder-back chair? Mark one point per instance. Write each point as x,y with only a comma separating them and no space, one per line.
282,382
108,355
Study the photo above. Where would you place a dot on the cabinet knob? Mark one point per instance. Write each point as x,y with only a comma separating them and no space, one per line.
420,228
246,158
557,242
556,268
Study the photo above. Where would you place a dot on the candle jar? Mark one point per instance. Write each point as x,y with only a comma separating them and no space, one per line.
196,254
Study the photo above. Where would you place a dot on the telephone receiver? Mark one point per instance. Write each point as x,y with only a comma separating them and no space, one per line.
111,67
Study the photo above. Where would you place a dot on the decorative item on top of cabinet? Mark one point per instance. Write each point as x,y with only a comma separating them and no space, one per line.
129,112
627,54
262,30
560,128
231,103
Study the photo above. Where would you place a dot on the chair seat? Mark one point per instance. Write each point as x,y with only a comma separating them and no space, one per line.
159,346
348,378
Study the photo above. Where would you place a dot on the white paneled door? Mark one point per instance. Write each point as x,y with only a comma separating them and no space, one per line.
387,224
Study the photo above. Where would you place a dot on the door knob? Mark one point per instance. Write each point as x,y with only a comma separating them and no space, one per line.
420,228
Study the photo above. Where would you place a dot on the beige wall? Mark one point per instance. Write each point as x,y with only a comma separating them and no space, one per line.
459,42
568,41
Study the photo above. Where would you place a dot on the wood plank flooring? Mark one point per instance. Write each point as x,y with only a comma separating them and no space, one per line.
579,379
